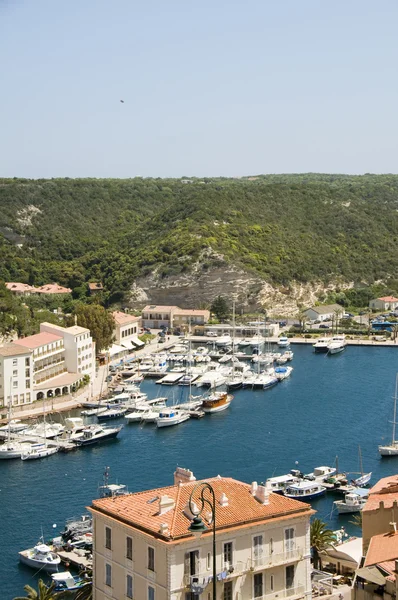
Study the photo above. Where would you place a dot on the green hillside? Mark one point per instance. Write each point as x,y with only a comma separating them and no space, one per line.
282,227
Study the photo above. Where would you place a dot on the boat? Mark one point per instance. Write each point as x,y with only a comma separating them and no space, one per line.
171,416
392,449
244,343
337,344
110,490
289,354
354,501
97,433
223,341
321,474
44,430
14,426
37,451
364,477
283,372
115,412
12,448
40,557
93,412
66,582
283,341
322,345
211,379
280,483
216,402
304,490
257,340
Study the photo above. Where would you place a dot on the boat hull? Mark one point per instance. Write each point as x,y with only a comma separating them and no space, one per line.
39,565
307,496
321,349
388,450
170,423
34,455
337,350
215,409
96,440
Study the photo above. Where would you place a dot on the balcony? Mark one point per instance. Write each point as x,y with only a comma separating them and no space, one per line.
40,355
265,561
203,579
39,366
294,592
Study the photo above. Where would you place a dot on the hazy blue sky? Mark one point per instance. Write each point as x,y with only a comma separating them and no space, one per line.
211,87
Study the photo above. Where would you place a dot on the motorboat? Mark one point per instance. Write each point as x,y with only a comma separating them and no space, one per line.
289,354
171,416
223,341
211,379
115,412
244,343
283,341
216,402
37,451
66,582
337,344
322,345
281,360
256,341
13,449
354,501
321,474
235,382
392,448
13,426
44,430
41,557
280,483
304,490
268,380
97,433
263,359
93,412
283,372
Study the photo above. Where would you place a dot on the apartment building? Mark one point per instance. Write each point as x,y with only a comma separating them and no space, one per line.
155,316
47,364
143,549
380,509
127,329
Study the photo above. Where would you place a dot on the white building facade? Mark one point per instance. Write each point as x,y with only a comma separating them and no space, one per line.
127,329
143,549
16,375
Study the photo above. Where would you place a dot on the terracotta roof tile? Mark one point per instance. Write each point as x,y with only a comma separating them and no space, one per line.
13,350
159,308
385,490
122,318
388,299
141,509
39,339
383,547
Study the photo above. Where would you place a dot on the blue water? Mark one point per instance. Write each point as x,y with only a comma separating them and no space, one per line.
328,406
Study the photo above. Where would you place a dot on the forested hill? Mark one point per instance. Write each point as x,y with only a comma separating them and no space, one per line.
282,227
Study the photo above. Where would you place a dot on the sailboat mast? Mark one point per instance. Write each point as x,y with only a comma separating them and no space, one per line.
9,414
394,420
233,338
360,460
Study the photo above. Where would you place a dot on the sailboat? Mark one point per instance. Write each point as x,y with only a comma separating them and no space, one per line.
12,449
365,477
40,450
392,449
235,381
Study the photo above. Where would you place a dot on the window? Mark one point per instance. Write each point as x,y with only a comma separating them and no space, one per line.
27,362
108,575
129,586
258,585
191,562
289,540
271,546
228,554
108,538
192,596
14,362
271,583
27,372
151,559
289,577
15,373
15,384
129,548
227,592
151,593
27,383
208,561
257,549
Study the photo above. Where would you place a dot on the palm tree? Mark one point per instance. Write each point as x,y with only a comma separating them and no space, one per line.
44,592
357,520
320,538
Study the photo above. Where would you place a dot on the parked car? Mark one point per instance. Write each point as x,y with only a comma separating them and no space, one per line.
324,326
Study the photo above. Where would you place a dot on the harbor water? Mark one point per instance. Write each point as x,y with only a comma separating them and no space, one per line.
328,407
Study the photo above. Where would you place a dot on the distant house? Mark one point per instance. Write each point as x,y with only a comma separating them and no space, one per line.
23,289
385,303
172,316
127,329
95,287
326,312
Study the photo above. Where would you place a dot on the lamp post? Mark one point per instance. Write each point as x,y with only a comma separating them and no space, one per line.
198,527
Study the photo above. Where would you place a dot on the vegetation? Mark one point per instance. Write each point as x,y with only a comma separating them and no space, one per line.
281,227
43,592
320,538
100,323
220,308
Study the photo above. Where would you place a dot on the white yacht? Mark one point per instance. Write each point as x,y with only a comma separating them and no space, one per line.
353,502
304,490
14,426
337,344
44,430
392,448
41,557
170,416
13,449
211,379
283,372
283,341
223,340
280,483
38,451
256,341
322,345
321,474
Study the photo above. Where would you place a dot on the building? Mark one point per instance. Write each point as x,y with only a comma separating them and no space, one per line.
344,557
378,575
127,329
380,509
95,288
385,303
324,313
155,316
143,549
24,289
48,364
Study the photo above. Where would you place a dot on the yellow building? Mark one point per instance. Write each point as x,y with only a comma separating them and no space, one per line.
144,551
380,509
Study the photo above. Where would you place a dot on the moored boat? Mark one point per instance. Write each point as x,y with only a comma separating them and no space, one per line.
283,372
37,451
392,448
97,433
322,345
66,582
170,416
41,557
216,402
337,344
304,490
354,501
13,449
115,412
283,341
280,483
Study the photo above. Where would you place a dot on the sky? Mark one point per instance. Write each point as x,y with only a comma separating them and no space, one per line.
210,88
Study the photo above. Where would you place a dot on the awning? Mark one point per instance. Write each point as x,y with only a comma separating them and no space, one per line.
115,349
371,574
137,343
129,345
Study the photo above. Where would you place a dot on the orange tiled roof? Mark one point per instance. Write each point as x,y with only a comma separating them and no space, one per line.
192,311
385,490
389,567
13,350
159,308
388,299
382,548
122,318
15,286
53,288
39,339
141,509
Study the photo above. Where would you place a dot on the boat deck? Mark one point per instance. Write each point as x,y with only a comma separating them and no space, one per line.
76,559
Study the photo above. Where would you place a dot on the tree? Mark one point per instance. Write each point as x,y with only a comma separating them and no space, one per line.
320,538
99,321
357,520
44,592
220,308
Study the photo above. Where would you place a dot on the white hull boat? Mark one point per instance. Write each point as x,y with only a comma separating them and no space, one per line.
170,417
283,342
283,372
13,449
353,502
338,344
41,558
392,449
37,451
14,426
322,345
305,490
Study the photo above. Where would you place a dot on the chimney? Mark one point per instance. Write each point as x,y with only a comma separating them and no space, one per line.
262,494
165,504
164,529
183,476
223,500
254,488
393,527
191,514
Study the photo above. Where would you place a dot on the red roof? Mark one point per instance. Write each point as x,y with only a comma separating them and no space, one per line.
382,548
122,318
388,299
141,509
39,339
385,490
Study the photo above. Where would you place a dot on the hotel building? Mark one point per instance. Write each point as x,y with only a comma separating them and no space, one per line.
143,549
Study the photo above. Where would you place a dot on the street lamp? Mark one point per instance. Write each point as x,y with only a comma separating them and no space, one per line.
197,527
